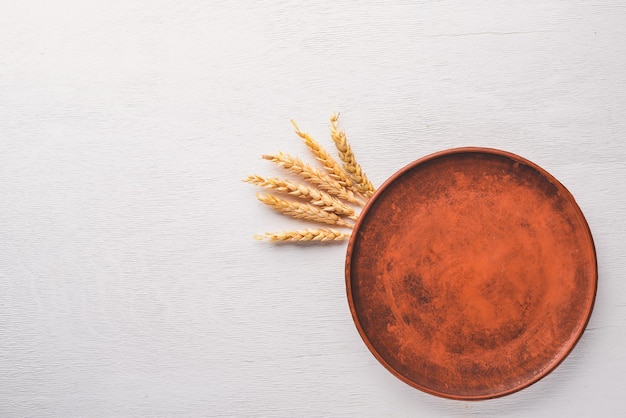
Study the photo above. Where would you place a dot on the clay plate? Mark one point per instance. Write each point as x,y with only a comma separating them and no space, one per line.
471,273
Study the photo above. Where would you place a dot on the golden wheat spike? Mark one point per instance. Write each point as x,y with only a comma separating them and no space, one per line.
330,165
322,235
303,211
354,170
314,176
315,196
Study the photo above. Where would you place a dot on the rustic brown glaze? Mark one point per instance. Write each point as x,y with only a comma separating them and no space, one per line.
471,273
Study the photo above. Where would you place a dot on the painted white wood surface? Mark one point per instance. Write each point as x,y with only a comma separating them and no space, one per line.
130,284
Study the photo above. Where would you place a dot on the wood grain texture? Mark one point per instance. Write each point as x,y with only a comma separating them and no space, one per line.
130,284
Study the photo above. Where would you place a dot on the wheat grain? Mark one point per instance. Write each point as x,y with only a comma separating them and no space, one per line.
314,176
330,165
306,235
303,211
315,196
354,170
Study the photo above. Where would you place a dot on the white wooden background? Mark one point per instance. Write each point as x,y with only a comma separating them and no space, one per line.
130,284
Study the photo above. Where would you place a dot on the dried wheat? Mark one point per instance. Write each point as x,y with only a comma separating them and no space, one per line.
303,210
314,176
306,235
330,165
346,155
317,197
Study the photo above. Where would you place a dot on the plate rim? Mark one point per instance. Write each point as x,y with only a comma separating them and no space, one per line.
477,150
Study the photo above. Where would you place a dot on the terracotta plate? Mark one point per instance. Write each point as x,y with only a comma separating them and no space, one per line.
471,273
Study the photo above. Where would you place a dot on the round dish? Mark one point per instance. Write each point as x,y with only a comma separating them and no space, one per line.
471,273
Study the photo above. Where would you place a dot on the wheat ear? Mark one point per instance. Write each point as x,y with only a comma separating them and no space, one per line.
346,155
306,235
314,176
317,197
330,165
303,210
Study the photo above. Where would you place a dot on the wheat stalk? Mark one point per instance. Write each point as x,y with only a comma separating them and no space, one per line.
303,210
306,235
330,165
314,176
354,170
326,190
317,197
